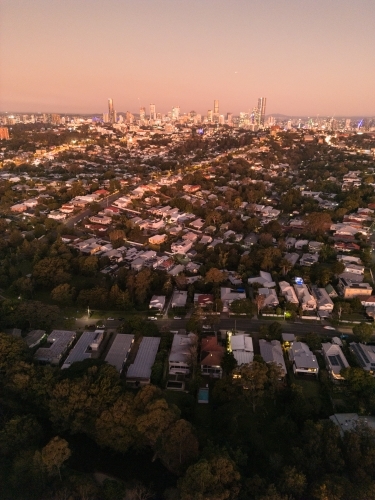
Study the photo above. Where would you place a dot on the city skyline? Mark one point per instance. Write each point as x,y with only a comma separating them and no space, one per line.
308,58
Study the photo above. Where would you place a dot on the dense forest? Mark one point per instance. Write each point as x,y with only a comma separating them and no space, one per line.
259,439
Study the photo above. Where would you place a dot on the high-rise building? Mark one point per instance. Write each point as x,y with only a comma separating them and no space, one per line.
176,113
210,115
230,119
152,112
261,111
216,106
142,113
111,112
4,133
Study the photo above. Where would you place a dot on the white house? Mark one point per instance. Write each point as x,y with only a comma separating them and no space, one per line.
157,302
323,300
181,246
288,292
242,348
182,350
270,297
307,301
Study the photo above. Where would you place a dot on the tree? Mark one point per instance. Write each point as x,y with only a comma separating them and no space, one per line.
361,385
253,379
51,271
314,341
179,446
215,276
228,363
115,426
292,481
215,478
54,454
259,302
363,332
242,306
318,222
63,294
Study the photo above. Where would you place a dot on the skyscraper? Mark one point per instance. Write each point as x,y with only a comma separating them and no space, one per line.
152,112
111,111
261,111
216,107
142,113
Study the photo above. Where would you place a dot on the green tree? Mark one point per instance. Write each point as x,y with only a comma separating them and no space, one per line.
292,481
63,294
115,426
252,378
179,446
215,478
363,332
243,306
228,362
55,454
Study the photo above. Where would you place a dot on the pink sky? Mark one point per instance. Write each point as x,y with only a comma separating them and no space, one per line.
307,57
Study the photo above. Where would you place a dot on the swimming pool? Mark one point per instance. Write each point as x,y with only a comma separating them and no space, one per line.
203,395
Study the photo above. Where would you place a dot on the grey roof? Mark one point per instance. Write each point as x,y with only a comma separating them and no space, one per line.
272,352
33,338
141,368
60,341
81,350
119,351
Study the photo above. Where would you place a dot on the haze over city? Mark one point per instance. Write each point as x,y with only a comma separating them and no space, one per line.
307,58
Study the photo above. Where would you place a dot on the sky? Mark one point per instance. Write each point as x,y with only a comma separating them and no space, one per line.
307,57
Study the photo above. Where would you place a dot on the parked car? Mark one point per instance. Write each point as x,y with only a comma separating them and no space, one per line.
177,317
152,318
329,328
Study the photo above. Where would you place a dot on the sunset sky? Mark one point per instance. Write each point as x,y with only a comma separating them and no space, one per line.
309,58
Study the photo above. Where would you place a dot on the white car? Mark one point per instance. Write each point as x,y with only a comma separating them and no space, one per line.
110,319
329,328
206,327
177,317
152,318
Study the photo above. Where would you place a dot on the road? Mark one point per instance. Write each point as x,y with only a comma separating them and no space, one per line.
72,221
240,324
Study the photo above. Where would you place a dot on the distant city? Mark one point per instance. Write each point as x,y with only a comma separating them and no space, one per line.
254,119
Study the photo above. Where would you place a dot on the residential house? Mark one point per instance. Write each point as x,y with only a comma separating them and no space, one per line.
228,295
182,350
335,360
365,355
181,246
270,297
139,372
242,348
288,292
179,299
264,279
306,300
309,259
349,290
157,302
303,359
323,300
272,352
211,357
